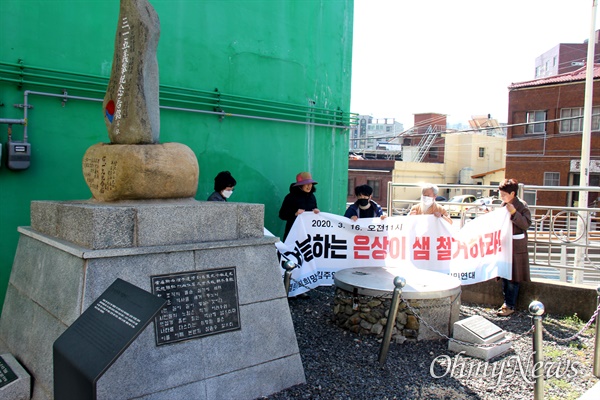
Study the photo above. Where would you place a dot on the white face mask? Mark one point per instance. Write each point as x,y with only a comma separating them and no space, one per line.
227,193
426,201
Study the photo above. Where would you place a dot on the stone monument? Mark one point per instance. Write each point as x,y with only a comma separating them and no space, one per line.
226,332
134,165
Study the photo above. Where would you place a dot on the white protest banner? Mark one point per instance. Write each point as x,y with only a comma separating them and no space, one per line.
321,244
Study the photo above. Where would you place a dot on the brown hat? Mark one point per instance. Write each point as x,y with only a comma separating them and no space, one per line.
304,178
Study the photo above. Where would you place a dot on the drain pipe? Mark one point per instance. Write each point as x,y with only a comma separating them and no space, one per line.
63,96
221,114
13,121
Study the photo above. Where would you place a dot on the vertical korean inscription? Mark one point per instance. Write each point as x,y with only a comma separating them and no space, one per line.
199,303
100,173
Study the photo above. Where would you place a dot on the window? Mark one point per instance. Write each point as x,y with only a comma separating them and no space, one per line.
538,71
375,186
351,186
433,152
536,122
551,178
530,197
572,119
481,152
554,61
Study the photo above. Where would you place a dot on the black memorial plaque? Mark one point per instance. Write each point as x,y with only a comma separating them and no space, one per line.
98,337
199,303
6,373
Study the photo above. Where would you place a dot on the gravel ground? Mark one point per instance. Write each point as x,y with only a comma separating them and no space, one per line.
342,365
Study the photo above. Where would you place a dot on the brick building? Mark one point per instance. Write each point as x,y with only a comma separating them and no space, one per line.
425,138
564,57
544,137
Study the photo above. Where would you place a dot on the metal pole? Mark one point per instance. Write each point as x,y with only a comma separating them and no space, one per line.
288,266
536,309
597,340
399,283
584,169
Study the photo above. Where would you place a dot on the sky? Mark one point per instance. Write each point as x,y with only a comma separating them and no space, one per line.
454,57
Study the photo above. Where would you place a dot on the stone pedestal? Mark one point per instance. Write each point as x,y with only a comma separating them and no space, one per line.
73,251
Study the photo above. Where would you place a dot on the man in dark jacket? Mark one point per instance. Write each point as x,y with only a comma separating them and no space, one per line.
364,206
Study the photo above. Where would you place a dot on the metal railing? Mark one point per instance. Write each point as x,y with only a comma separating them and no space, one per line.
558,248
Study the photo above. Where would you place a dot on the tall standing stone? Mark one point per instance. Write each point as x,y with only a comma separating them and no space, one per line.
135,165
131,108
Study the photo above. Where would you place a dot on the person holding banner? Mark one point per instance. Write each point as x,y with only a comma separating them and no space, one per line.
521,221
427,205
364,206
300,199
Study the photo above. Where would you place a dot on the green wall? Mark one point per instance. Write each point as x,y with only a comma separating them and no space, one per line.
277,59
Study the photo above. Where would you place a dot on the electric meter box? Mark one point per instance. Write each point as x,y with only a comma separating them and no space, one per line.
18,155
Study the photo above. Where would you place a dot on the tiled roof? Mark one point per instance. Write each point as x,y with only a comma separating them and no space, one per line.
578,75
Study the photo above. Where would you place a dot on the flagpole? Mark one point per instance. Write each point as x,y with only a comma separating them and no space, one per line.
584,165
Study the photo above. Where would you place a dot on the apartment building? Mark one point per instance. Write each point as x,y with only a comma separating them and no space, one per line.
564,58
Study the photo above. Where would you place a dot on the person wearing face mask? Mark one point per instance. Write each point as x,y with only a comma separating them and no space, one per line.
301,198
224,186
364,207
427,205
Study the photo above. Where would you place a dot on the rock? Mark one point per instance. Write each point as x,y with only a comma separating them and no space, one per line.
132,172
377,313
131,106
366,325
399,339
401,318
374,303
412,323
371,318
354,319
377,329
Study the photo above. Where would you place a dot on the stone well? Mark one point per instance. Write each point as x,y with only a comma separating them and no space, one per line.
363,297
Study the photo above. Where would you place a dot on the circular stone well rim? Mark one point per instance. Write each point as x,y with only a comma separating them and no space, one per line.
379,282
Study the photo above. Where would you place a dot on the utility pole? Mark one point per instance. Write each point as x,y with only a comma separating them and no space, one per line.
584,166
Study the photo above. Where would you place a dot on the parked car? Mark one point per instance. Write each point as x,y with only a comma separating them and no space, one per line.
486,201
459,204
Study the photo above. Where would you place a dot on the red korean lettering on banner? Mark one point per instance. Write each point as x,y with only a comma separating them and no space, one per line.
421,248
460,246
444,248
361,245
